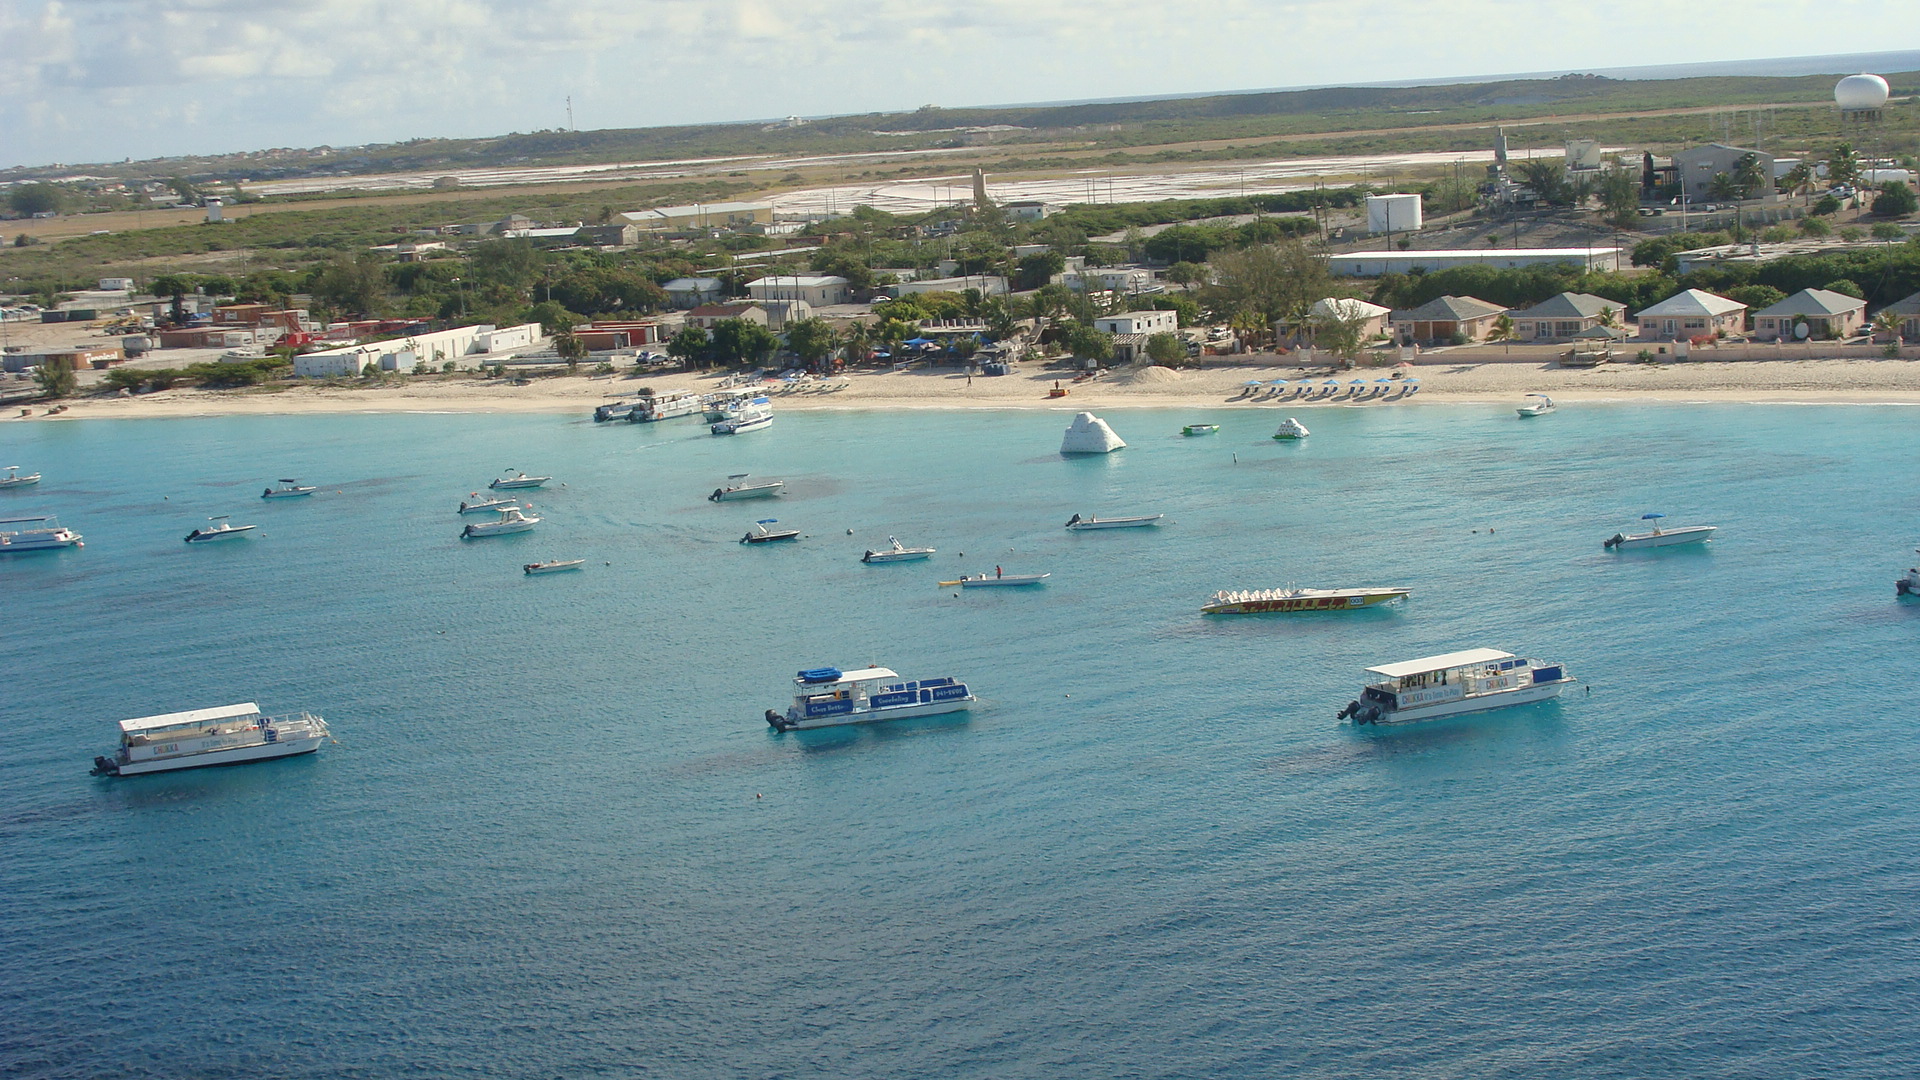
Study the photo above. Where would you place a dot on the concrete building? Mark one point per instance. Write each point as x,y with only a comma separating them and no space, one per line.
1696,168
1139,322
1119,279
1441,321
1825,315
1376,263
1371,317
1908,312
1027,210
116,284
1565,316
988,284
691,292
1691,314
720,215
616,235
706,315
782,312
818,290
1393,214
464,346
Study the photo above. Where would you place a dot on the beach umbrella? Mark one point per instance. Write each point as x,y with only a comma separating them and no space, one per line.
918,341
1279,382
1253,382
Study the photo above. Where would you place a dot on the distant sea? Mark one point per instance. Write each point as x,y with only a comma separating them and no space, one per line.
556,839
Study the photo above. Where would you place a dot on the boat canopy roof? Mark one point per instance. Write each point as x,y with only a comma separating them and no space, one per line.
191,716
1440,663
865,674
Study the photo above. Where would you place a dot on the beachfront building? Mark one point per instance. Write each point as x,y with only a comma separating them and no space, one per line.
706,315
462,346
1139,322
1372,318
1376,263
1446,320
1825,315
690,292
1689,315
1696,168
818,290
1563,317
1908,312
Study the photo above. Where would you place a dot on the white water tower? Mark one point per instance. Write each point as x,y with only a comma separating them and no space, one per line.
1393,213
1861,97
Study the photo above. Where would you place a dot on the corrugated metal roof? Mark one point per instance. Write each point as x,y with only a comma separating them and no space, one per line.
191,716
1440,663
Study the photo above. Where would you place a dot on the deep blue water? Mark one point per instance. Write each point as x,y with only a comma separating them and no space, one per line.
556,838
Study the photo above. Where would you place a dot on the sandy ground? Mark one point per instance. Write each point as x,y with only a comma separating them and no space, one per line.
1808,381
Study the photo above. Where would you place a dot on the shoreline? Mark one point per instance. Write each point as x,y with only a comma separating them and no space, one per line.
1479,382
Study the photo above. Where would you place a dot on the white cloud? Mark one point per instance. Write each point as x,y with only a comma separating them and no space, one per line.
104,79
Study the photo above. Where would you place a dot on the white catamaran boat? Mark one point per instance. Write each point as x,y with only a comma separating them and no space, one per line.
35,534
741,486
1659,537
222,530
1541,407
748,416
518,480
1080,524
1265,601
293,490
895,553
830,697
511,521
13,479
1472,680
1291,429
227,735
554,566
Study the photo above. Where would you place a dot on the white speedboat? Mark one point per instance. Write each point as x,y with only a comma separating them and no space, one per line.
760,534
1909,585
293,490
228,735
1088,434
1472,680
829,697
518,480
1289,600
1540,407
554,566
1659,537
996,579
750,415
35,534
741,486
1080,524
13,479
1291,429
511,521
489,505
895,552
222,530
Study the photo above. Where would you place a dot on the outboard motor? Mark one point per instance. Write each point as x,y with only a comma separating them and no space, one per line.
1352,709
104,767
1615,541
776,721
717,492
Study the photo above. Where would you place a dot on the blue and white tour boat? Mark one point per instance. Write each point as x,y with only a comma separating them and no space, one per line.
829,697
1472,680
225,735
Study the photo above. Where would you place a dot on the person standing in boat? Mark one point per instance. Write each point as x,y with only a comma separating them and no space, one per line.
996,572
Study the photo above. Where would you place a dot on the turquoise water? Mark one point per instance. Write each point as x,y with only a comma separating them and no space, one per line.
556,838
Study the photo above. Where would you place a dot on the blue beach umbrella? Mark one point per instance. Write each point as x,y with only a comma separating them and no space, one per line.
1253,382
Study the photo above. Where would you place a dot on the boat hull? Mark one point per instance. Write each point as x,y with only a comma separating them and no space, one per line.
54,543
296,493
1667,538
764,491
525,482
1304,601
489,507
1498,699
236,755
876,716
1114,523
19,482
198,537
909,555
1199,429
741,427
553,568
1009,581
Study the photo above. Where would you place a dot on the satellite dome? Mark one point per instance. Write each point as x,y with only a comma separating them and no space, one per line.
1860,93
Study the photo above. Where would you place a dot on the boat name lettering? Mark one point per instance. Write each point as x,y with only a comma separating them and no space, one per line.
948,693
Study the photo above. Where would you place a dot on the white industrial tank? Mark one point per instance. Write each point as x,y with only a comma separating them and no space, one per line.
1861,93
1393,213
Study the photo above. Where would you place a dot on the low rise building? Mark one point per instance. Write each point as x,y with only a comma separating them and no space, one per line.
1139,322
1824,315
1691,314
463,346
1376,263
691,292
1564,316
706,315
818,290
987,284
1908,312
617,235
1446,320
720,215
1027,209
1696,168
1372,318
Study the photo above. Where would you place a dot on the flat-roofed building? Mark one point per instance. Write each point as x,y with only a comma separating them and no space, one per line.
1139,322
1376,263
691,292
718,215
820,290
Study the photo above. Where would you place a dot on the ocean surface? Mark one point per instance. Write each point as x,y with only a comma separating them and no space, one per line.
556,839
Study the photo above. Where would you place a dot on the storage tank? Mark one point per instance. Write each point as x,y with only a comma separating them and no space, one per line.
1393,213
1583,154
1861,93
136,345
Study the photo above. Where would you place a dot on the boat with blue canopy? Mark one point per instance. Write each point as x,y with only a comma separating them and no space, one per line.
830,697
1658,536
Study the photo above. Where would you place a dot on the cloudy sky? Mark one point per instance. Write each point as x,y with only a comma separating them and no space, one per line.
99,80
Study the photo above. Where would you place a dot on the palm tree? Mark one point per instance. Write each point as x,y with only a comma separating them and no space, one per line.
1799,179
1887,324
854,342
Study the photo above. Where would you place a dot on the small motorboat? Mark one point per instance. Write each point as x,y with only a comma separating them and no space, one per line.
1659,537
1291,429
511,521
222,530
895,553
1199,429
751,415
1910,584
293,489
488,505
985,581
741,486
554,566
1540,407
13,479
612,410
518,480
1078,523
760,534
